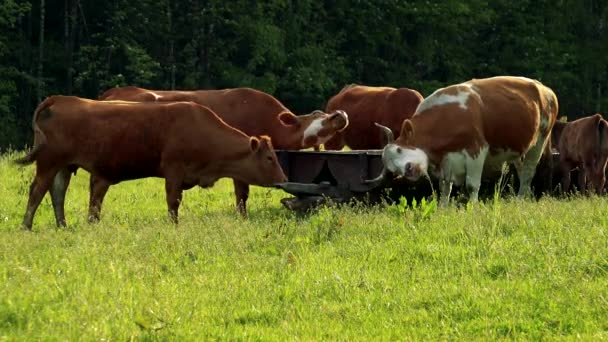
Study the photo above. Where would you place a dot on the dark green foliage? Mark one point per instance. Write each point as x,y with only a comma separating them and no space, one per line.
300,51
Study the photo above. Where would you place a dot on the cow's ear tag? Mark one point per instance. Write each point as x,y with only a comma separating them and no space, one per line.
288,119
254,143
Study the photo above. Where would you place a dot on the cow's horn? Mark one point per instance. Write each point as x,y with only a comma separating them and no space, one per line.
390,138
387,131
376,181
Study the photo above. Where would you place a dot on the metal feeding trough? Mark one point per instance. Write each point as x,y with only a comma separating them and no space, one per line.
315,176
340,176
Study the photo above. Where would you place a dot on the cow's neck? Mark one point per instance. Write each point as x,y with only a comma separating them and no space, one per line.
437,137
288,138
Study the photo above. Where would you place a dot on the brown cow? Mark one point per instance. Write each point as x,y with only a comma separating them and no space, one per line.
556,133
253,112
583,144
183,142
461,130
366,106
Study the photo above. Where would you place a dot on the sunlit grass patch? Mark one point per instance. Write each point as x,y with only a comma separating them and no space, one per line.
503,268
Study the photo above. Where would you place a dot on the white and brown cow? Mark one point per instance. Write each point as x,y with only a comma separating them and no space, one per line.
460,130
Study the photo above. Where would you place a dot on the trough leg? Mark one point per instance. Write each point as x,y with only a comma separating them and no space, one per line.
58,189
241,192
98,187
40,185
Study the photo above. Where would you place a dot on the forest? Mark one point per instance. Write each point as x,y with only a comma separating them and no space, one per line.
301,51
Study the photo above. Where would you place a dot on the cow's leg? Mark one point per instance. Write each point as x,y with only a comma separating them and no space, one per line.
565,169
40,185
527,168
98,187
58,189
473,169
595,181
241,192
599,178
582,178
174,189
445,188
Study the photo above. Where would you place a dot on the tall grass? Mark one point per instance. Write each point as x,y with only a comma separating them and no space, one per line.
501,269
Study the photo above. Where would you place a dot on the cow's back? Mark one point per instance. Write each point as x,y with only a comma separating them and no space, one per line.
367,105
251,111
126,140
582,138
515,111
506,113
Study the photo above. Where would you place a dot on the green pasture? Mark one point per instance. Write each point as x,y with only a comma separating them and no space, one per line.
503,269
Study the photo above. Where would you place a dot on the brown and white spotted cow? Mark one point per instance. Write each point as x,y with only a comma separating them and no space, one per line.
460,130
583,144
252,111
367,105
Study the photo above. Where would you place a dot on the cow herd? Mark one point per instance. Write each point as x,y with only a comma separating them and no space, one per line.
194,138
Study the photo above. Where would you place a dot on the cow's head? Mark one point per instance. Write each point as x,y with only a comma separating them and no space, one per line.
261,164
314,128
403,158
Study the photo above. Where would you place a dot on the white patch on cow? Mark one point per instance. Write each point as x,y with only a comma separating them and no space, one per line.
313,130
395,159
495,160
437,99
544,123
156,96
460,168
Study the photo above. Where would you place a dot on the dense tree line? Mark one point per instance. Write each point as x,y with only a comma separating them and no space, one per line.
300,51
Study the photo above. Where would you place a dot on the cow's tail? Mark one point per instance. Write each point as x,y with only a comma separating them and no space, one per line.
602,128
39,137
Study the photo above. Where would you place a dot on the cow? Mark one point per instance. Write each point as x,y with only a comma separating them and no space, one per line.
182,142
583,144
460,130
251,111
367,105
556,133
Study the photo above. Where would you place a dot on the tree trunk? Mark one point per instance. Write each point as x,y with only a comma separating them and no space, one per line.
40,90
71,29
598,102
171,47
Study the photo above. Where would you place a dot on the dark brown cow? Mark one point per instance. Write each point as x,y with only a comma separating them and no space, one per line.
252,111
556,133
366,106
464,129
183,142
583,144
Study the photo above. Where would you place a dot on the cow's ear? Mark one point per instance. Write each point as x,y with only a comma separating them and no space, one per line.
254,143
407,130
288,119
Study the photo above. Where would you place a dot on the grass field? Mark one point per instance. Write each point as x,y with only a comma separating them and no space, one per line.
503,269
